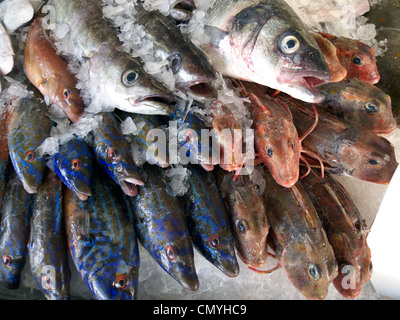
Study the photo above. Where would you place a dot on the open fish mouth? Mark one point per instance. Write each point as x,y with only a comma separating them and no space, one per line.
182,10
306,82
200,91
129,185
153,105
83,195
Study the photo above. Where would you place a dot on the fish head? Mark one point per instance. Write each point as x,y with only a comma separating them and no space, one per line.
370,158
273,42
73,164
358,59
11,268
64,94
278,145
182,10
114,154
250,226
354,264
310,265
127,86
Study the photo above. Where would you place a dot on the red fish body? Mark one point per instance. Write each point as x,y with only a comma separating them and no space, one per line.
357,57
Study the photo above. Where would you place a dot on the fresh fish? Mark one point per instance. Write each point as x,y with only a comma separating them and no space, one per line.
16,213
113,152
248,217
338,72
344,149
298,239
73,164
360,103
276,139
48,252
264,41
6,52
192,71
208,222
182,10
118,77
29,126
49,73
357,57
142,140
102,240
162,230
345,229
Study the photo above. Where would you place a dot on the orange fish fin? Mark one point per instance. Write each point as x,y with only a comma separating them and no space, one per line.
311,129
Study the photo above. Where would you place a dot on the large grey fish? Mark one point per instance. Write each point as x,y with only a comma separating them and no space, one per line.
119,79
48,251
102,240
192,71
264,41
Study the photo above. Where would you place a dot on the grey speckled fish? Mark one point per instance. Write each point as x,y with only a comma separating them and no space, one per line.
208,222
162,230
102,240
48,252
14,231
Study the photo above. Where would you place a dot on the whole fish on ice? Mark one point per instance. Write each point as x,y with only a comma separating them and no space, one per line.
265,42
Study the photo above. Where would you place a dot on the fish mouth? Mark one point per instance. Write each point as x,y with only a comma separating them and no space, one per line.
83,195
182,10
129,185
153,105
200,91
305,82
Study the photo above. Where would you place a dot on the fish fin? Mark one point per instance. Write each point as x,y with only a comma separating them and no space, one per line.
284,105
311,129
316,157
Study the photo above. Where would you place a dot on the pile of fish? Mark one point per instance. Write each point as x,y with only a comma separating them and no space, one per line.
83,104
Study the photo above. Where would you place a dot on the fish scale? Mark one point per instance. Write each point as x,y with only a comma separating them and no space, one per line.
47,247
102,240
16,212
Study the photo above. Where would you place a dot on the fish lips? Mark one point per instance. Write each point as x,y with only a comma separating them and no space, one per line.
199,90
153,104
305,81
129,185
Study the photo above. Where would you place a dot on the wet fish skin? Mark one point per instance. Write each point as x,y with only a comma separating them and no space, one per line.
298,239
248,217
208,221
118,77
102,240
49,73
360,103
113,152
338,72
162,230
29,126
16,211
4,150
48,252
251,40
73,164
357,57
344,148
192,71
345,229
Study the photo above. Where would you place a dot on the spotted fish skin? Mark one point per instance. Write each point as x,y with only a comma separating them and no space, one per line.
208,222
345,229
162,230
113,153
14,231
48,253
102,240
29,126
73,164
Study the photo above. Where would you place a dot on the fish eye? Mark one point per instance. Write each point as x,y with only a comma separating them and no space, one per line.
313,272
270,152
112,155
170,251
75,164
358,61
214,241
121,282
373,162
66,93
289,44
30,156
175,61
6,261
242,226
130,77
371,108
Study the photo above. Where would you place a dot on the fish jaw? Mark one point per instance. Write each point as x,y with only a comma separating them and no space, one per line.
149,105
199,90
129,185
